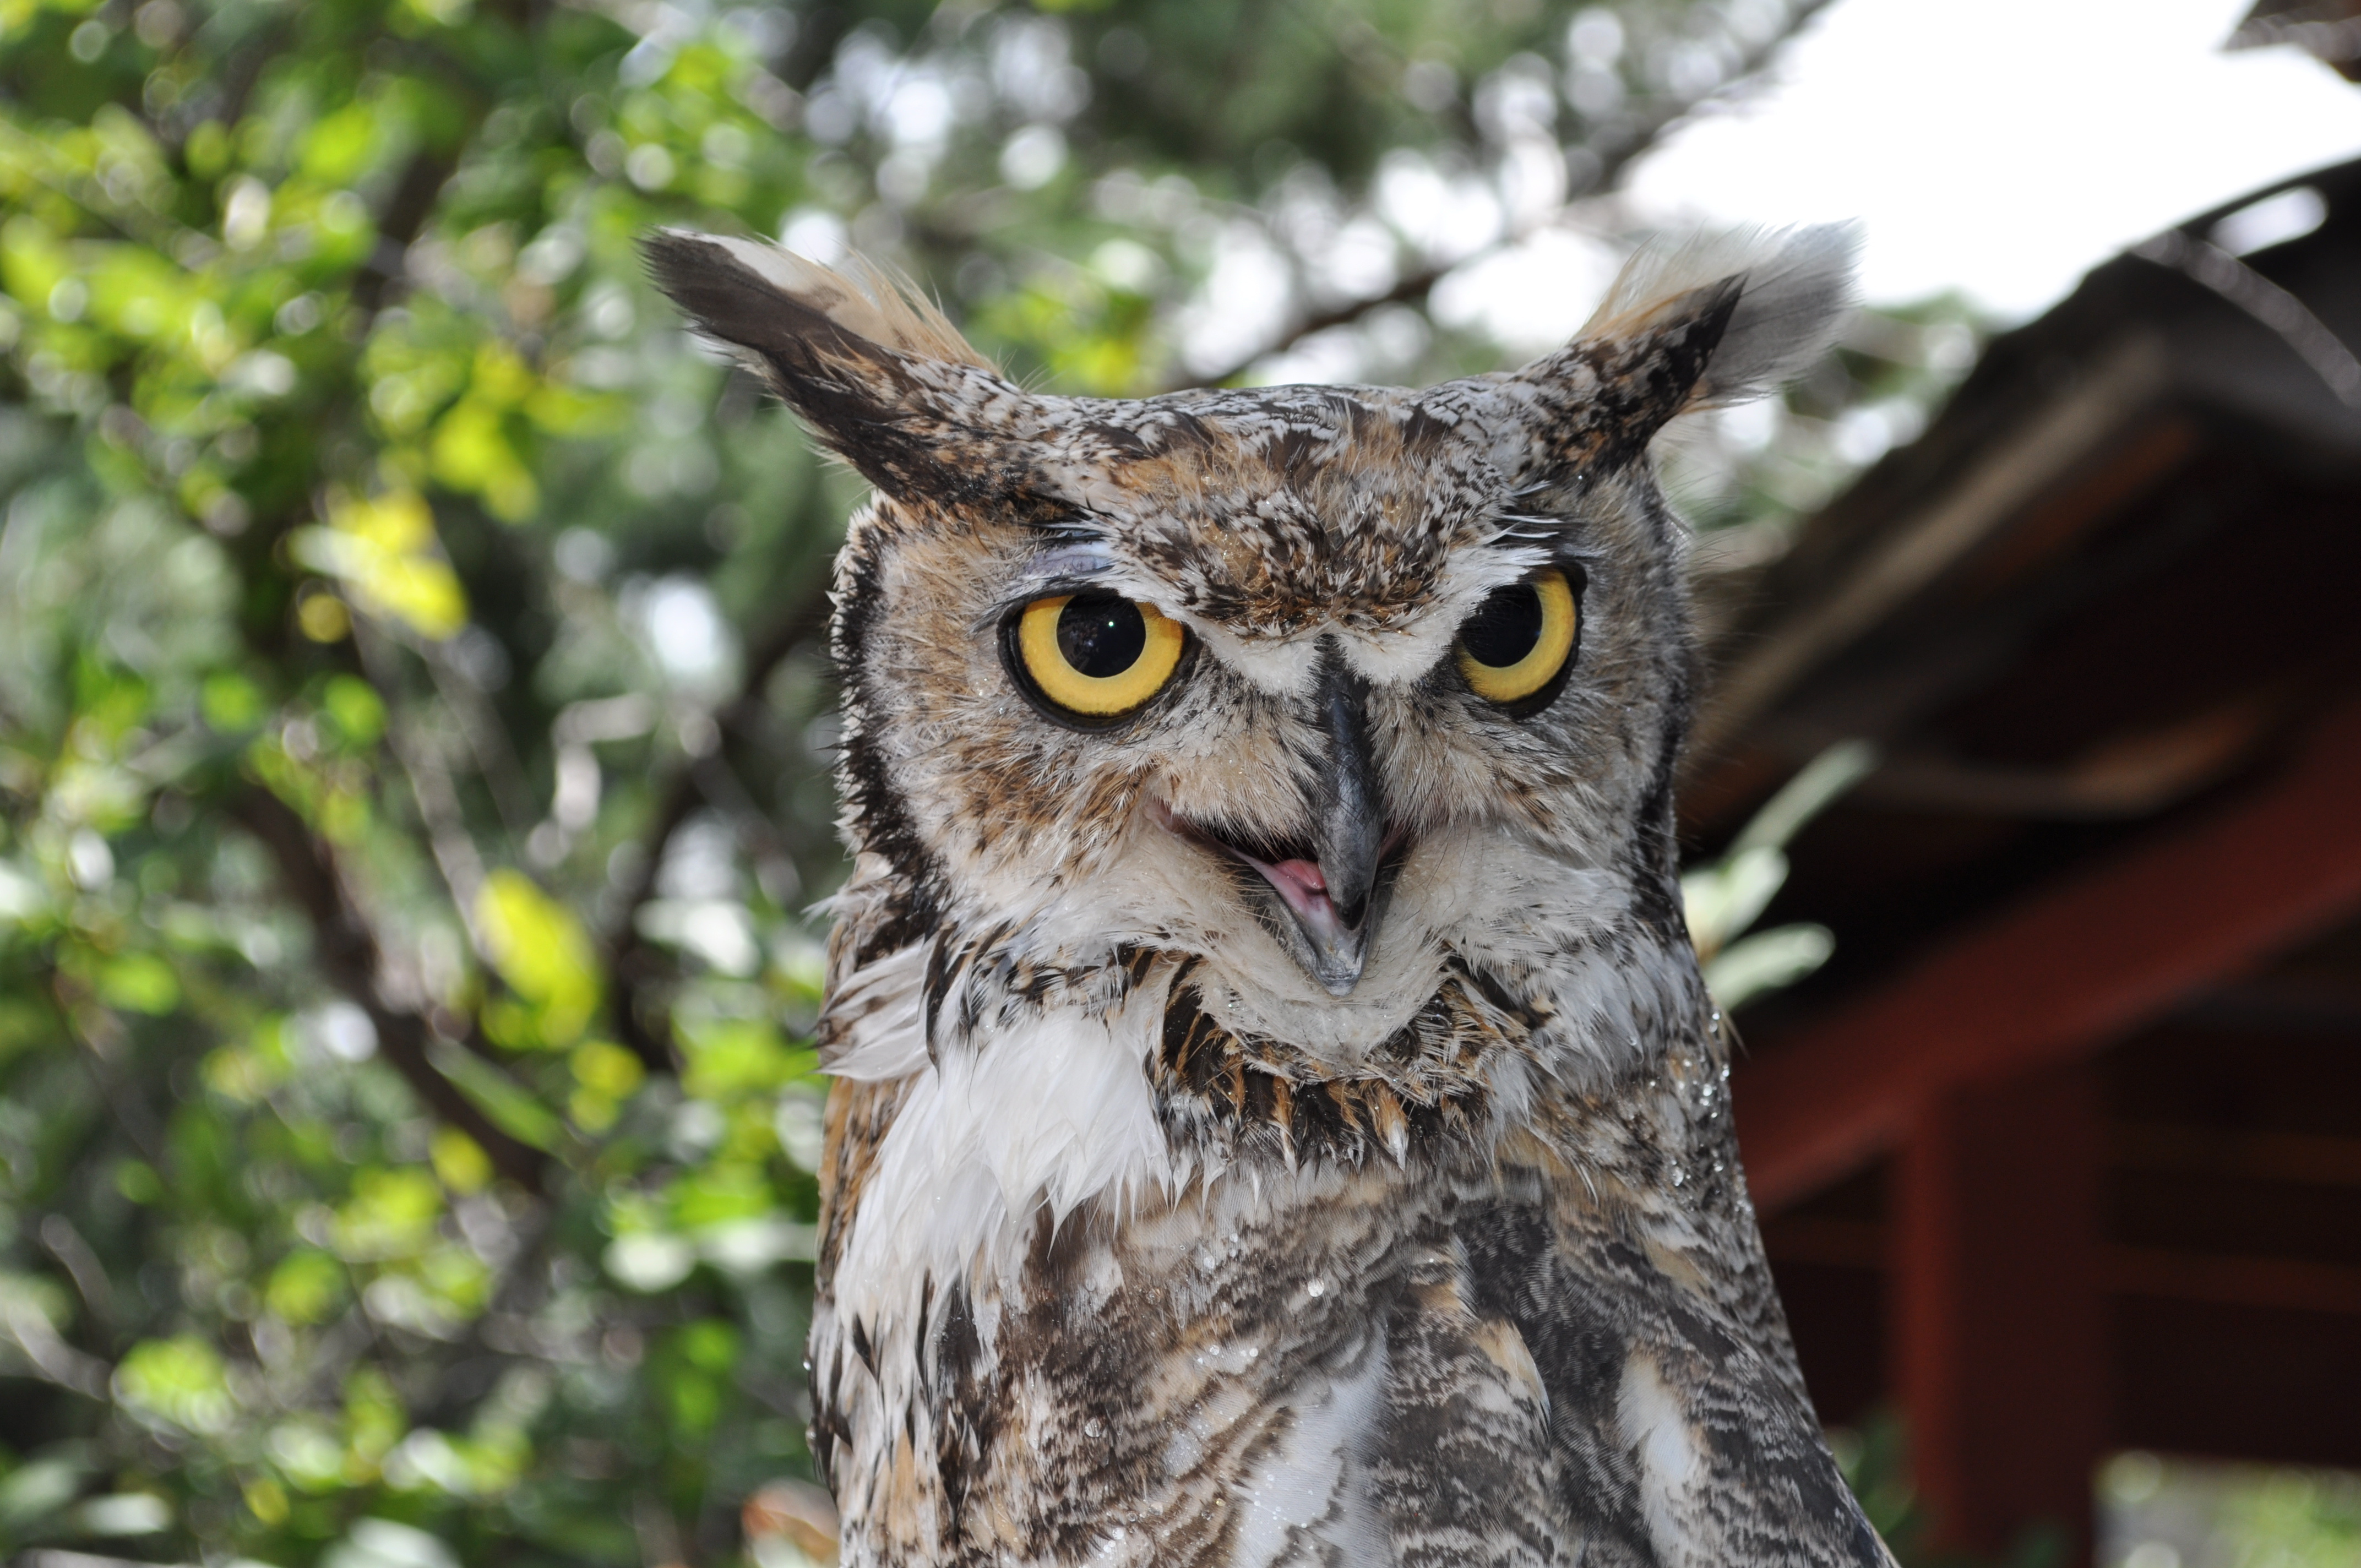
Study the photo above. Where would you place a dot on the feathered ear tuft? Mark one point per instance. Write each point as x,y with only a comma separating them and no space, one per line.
875,370
741,292
1794,289
1686,326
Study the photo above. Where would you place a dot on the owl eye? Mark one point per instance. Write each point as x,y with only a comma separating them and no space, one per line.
1519,639
1093,657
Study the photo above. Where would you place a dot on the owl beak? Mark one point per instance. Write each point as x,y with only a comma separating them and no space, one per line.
1349,843
1335,886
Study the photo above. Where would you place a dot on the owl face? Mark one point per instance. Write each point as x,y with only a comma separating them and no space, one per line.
1328,686
1260,696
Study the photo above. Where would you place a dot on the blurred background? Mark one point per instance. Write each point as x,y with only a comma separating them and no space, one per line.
414,721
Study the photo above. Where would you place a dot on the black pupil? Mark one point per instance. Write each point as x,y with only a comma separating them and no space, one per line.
1101,635
1505,629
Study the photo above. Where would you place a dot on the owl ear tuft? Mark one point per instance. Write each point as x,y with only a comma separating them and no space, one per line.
872,365
747,294
1709,322
1794,290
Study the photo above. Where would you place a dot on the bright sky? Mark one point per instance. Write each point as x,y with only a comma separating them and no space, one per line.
2005,147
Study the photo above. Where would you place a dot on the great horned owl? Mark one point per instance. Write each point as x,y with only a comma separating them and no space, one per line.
1277,1118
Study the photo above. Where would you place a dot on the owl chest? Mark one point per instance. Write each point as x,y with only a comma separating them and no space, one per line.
1261,1374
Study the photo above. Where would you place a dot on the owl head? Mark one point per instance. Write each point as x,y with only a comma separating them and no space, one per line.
1339,691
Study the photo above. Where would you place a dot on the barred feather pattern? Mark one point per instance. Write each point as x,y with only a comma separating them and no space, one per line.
1141,1243
1361,1329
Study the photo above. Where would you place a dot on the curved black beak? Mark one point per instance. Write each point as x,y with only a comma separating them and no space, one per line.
1334,888
1348,834
1335,893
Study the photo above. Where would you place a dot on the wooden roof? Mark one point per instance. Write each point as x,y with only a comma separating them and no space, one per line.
2329,30
2101,621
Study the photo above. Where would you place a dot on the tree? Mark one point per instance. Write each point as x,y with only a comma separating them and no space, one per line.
413,719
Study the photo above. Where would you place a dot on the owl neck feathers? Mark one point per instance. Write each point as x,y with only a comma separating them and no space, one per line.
1458,1074
1023,1091
1425,1089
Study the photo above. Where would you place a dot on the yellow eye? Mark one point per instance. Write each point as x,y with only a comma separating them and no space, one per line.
1095,657
1519,639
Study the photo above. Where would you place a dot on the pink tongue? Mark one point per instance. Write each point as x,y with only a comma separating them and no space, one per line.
1304,874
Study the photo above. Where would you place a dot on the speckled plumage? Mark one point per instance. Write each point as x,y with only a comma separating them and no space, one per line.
1144,1240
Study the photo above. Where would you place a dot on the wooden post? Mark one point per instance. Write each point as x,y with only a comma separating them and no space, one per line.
1998,1332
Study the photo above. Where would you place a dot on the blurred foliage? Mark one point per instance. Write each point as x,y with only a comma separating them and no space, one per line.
2152,1512
413,722
1875,1461
1723,897
2177,1513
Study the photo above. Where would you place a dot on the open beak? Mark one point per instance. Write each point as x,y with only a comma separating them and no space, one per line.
1333,887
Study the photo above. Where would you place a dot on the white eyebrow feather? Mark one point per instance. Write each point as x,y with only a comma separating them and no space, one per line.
1068,561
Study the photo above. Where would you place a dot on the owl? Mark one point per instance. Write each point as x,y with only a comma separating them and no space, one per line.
1277,1118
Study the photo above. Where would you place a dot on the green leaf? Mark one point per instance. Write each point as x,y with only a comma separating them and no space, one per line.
499,1097
392,1213
1815,786
731,1058
141,982
1766,961
358,711
307,1287
541,951
231,704
35,1491
181,1381
385,550
460,1161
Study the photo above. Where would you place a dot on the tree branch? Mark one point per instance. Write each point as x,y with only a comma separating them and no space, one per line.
496,757
1642,134
431,786
350,957
633,964
406,212
99,1032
